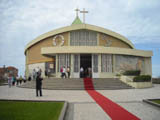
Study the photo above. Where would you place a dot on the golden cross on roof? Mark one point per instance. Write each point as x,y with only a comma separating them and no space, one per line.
83,14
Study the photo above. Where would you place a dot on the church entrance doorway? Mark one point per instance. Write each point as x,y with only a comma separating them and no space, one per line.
85,65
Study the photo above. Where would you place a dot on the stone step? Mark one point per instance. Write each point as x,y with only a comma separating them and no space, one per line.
77,84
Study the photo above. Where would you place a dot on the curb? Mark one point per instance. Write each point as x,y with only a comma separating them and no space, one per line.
64,109
149,101
22,100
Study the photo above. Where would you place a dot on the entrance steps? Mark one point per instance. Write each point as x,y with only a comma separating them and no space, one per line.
78,84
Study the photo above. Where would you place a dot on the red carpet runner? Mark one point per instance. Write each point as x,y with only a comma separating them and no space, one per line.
115,111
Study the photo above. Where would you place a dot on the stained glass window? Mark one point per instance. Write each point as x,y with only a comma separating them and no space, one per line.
83,38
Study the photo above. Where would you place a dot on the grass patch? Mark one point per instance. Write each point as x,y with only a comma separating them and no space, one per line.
156,101
20,110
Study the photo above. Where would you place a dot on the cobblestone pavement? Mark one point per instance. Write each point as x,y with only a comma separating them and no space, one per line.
83,107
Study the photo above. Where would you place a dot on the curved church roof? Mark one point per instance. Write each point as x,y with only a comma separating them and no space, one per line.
77,25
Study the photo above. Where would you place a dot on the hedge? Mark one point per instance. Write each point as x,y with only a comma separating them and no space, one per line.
132,72
142,78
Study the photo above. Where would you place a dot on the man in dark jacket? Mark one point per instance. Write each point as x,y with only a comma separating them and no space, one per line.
39,84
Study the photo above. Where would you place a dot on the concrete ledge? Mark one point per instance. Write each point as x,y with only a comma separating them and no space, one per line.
140,84
31,100
129,80
149,101
95,50
61,117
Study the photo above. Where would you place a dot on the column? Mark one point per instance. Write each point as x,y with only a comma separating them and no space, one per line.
72,65
99,64
56,72
114,64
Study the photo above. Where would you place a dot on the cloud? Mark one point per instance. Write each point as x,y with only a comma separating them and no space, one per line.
23,20
139,5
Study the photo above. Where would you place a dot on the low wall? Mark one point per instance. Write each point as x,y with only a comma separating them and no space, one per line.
141,84
156,80
129,80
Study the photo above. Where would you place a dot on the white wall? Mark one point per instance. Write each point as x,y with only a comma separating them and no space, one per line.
33,66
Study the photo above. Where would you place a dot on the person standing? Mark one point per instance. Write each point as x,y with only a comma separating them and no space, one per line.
9,81
20,80
68,71
90,72
24,79
13,80
17,79
61,70
64,72
29,78
39,84
46,73
81,72
34,74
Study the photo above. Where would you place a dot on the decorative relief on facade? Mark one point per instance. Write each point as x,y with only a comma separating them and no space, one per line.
58,40
124,63
108,42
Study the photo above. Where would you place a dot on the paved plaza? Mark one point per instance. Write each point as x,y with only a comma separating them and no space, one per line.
83,107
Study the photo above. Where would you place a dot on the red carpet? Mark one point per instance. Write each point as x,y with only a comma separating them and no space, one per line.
115,111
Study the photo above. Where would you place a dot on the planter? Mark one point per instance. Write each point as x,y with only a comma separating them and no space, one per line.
129,80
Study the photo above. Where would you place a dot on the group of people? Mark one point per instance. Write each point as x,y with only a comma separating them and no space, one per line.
65,70
34,73
36,76
13,80
85,73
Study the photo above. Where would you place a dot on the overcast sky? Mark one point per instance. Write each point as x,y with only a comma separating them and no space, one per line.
23,20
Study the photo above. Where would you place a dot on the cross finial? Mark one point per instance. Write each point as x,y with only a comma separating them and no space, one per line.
84,14
77,11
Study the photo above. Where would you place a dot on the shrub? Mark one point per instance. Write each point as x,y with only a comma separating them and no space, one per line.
142,78
118,74
132,72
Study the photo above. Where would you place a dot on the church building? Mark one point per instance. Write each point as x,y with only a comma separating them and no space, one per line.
105,52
